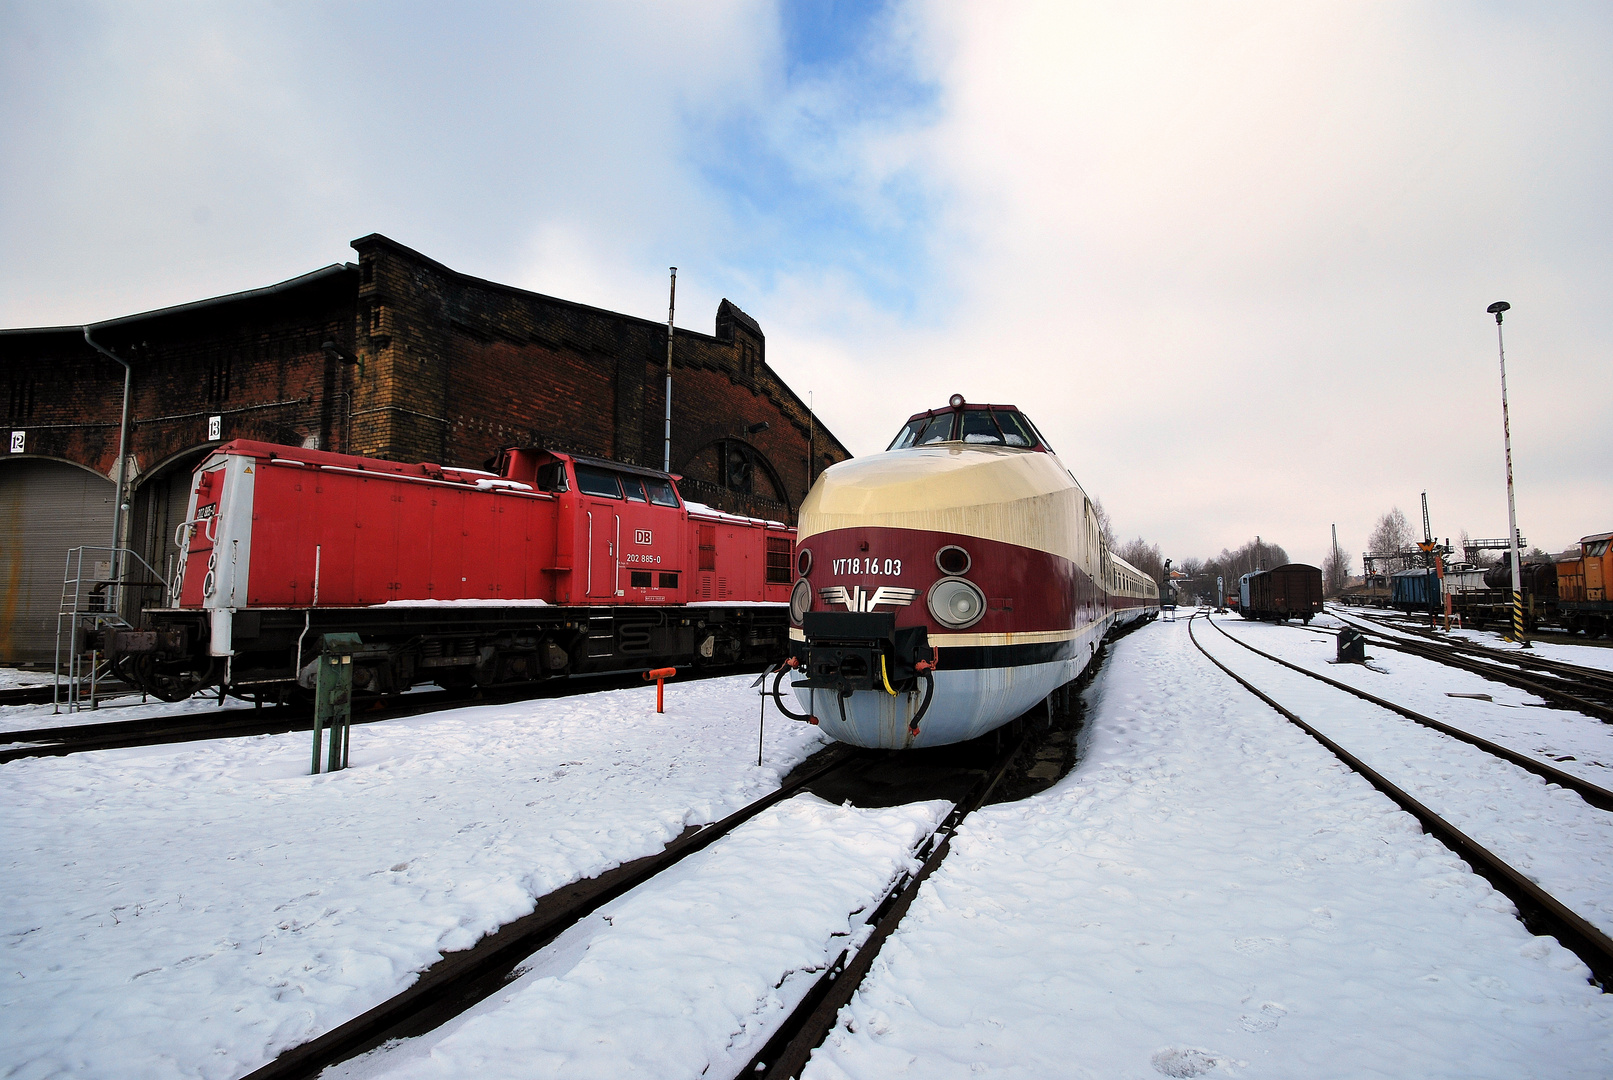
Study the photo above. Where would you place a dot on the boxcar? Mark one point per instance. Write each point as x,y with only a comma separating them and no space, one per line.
1291,591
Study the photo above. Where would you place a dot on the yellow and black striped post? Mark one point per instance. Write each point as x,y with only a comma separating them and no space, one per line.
1517,619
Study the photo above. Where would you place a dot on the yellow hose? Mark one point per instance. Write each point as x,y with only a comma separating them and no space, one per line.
885,678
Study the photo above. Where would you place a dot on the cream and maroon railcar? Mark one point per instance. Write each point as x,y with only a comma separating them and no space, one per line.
949,584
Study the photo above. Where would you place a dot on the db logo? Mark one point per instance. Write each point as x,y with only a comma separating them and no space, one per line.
641,536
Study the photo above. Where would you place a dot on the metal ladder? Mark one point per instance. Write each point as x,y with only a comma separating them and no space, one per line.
91,603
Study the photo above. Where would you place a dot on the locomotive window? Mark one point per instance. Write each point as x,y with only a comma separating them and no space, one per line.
979,427
661,493
669,581
938,429
598,482
634,489
1015,432
552,477
640,579
1598,548
907,436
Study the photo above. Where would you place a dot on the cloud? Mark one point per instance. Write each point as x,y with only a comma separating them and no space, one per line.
1233,260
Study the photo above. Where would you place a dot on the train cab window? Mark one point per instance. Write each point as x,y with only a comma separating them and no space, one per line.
640,579
661,493
634,489
1598,548
923,431
552,477
939,429
1015,430
669,581
598,481
980,428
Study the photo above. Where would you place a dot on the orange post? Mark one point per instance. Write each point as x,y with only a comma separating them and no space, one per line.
660,675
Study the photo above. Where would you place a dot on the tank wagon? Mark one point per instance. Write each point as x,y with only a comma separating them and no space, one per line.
947,585
555,564
1290,591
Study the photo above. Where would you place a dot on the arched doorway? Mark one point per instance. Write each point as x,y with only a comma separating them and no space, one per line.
733,474
46,507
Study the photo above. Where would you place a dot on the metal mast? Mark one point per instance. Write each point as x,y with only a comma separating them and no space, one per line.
1512,509
671,307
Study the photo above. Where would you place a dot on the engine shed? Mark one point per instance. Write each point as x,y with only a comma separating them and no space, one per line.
394,356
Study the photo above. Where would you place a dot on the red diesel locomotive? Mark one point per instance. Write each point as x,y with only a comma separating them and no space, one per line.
556,564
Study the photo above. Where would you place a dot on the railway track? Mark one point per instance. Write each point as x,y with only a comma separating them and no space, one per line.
271,719
462,979
1596,678
1540,911
1585,690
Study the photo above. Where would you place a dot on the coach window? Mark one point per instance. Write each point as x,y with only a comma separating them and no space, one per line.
661,493
598,482
634,489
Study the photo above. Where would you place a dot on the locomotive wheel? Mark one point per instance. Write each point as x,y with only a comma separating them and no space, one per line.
171,682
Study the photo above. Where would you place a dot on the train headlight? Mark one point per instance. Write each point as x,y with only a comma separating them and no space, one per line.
956,602
953,560
800,601
803,561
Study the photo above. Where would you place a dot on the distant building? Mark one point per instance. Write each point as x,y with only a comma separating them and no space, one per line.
395,356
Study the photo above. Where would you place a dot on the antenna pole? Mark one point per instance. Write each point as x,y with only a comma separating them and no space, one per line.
671,307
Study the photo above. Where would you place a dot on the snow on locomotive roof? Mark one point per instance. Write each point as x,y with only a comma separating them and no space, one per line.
473,603
702,510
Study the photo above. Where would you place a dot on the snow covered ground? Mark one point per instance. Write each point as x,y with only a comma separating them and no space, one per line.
10,677
1591,656
14,718
1211,893
1208,893
192,910
688,975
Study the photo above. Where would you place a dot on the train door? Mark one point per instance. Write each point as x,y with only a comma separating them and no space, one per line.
600,503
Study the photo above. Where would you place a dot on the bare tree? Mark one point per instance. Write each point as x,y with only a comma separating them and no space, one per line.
1145,557
1106,527
1391,535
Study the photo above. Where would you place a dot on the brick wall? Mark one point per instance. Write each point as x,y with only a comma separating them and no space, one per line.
448,368
457,368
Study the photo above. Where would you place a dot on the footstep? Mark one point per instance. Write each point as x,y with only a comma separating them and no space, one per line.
1265,1019
1179,1061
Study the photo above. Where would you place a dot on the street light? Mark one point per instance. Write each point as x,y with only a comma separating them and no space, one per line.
1512,510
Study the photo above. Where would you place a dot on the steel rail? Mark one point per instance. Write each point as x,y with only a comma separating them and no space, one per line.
1594,677
1599,797
461,979
280,719
1538,909
786,1052
1442,655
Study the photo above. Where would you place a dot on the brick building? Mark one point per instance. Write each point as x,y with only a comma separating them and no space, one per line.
396,356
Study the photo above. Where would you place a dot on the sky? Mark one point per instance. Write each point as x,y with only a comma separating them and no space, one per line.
1232,259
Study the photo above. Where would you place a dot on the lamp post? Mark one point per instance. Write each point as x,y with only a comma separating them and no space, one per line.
1512,510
